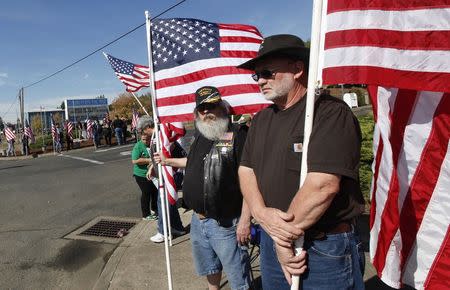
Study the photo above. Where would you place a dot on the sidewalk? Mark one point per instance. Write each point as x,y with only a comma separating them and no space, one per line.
138,263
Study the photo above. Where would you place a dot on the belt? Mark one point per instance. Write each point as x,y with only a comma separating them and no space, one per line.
321,234
223,222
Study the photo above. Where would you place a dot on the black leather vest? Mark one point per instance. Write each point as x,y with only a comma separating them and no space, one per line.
221,193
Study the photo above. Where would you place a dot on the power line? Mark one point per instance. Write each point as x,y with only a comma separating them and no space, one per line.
97,50
9,109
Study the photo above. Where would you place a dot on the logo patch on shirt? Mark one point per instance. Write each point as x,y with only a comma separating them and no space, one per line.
226,140
298,147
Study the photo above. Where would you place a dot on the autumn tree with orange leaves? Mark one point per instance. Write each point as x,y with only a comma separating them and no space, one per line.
124,104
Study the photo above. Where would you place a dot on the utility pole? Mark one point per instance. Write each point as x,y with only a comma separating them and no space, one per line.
22,123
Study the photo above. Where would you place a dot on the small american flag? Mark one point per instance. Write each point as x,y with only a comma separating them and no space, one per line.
69,128
134,76
190,53
106,119
29,133
55,131
134,120
9,134
89,128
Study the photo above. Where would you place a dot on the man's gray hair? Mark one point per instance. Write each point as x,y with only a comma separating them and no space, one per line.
145,122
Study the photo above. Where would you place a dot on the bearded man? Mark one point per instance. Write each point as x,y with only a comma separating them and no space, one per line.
220,225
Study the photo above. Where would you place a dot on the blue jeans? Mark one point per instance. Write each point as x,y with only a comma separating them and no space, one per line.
336,262
215,247
118,132
11,149
175,220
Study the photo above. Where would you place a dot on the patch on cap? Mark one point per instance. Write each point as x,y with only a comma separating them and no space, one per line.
207,95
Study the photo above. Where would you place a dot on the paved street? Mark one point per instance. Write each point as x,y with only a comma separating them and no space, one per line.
45,198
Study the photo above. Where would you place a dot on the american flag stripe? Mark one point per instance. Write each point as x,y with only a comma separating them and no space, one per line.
238,100
29,133
401,44
424,180
438,275
170,133
70,129
134,120
199,75
89,133
192,68
176,83
9,134
55,135
387,5
417,40
237,110
225,92
409,214
220,81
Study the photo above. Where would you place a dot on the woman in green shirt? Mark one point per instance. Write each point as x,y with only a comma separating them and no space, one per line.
140,157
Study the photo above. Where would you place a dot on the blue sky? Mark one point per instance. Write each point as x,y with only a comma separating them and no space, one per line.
39,37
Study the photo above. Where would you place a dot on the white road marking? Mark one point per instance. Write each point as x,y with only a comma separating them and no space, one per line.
113,148
82,159
125,153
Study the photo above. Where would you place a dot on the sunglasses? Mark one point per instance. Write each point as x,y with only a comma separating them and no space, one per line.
265,74
206,107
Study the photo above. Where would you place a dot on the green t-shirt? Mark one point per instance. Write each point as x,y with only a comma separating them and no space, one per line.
139,151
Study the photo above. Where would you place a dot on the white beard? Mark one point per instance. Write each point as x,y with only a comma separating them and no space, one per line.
212,129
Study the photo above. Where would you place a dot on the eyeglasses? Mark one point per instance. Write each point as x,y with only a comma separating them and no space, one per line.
265,74
206,107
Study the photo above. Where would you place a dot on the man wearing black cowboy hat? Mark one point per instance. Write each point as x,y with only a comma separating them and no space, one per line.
323,210
220,225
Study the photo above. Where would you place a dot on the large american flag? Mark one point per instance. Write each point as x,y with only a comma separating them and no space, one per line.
393,43
29,133
9,134
170,132
189,53
402,49
409,220
133,76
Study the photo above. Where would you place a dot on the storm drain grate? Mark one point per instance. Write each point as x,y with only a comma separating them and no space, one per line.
108,228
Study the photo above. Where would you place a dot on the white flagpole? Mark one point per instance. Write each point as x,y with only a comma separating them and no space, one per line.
309,111
158,147
142,106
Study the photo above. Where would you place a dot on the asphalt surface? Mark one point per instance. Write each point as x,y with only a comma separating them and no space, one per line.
44,199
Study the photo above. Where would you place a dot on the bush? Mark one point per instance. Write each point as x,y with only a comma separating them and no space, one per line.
365,171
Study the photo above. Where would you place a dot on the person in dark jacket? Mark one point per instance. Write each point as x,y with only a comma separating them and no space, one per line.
220,225
117,125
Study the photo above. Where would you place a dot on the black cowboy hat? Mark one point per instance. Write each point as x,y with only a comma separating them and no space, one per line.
279,45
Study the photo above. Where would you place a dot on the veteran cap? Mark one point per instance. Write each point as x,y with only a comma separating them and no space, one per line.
207,95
